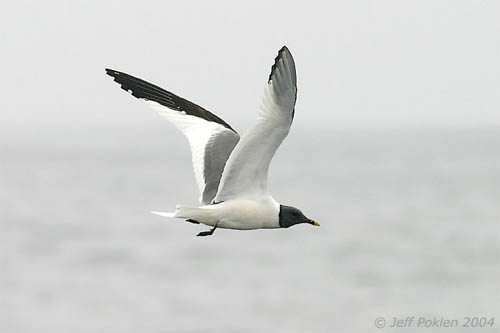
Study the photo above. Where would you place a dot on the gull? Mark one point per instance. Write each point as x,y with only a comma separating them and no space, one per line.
231,172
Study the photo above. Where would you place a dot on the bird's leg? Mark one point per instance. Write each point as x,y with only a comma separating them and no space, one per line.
193,221
209,232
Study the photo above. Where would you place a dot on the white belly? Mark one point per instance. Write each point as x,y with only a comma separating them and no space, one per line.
243,214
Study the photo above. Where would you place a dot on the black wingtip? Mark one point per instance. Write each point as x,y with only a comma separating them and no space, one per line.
278,57
112,72
283,49
147,91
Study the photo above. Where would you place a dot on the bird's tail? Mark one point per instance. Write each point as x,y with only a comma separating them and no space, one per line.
165,214
182,212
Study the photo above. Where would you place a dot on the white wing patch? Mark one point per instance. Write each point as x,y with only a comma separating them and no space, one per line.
198,133
245,174
210,138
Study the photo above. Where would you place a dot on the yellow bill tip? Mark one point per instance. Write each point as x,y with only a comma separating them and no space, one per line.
316,224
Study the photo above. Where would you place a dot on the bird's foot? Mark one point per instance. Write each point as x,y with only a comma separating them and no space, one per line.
193,221
207,233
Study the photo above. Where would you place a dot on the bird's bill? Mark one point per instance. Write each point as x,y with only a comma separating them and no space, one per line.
316,224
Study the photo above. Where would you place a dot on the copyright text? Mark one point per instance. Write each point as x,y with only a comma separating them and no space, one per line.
434,322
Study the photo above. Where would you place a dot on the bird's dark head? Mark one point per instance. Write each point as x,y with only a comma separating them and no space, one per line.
290,216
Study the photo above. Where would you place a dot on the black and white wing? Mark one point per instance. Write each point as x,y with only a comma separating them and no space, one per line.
210,138
245,174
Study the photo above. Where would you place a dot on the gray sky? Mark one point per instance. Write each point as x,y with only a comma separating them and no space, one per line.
375,64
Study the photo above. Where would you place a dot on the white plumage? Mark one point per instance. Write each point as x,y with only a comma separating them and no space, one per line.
245,174
231,173
198,133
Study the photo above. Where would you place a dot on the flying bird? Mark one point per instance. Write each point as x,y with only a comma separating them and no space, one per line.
231,172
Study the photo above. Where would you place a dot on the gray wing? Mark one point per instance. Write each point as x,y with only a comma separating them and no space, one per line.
245,175
210,138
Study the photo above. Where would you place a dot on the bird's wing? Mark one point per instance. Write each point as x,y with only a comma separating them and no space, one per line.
210,138
245,174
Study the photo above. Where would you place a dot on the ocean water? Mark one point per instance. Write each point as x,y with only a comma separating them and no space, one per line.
409,227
